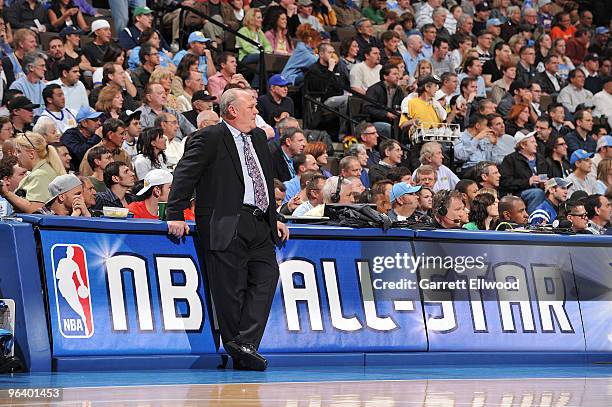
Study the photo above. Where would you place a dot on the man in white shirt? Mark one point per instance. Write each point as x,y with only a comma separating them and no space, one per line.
423,16
55,109
603,101
366,73
174,147
305,15
431,154
314,192
574,94
73,88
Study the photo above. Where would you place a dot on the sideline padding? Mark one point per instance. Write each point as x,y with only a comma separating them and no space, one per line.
343,292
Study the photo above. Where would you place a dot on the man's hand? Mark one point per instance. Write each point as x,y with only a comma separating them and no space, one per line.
331,64
177,228
283,231
534,180
294,203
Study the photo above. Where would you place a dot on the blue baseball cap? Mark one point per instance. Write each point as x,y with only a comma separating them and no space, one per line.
401,188
601,30
69,30
278,80
605,141
580,155
197,36
494,21
87,112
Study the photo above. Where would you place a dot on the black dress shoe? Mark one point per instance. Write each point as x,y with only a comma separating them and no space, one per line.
245,356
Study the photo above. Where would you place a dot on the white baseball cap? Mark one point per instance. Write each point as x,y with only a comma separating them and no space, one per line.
154,178
99,24
62,184
520,136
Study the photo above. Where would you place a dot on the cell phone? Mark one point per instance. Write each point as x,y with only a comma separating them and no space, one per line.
543,177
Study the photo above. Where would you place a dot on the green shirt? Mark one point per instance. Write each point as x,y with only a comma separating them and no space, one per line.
100,186
377,16
36,183
470,226
245,48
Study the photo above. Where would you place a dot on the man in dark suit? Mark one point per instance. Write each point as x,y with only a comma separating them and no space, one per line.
549,81
292,143
230,167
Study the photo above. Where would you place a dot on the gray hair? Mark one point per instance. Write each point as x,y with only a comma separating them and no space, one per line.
287,123
163,116
438,11
464,18
355,149
512,10
45,125
346,161
331,186
229,98
30,58
206,115
531,10
428,150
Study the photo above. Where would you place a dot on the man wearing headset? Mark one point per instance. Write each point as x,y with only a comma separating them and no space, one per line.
448,210
338,190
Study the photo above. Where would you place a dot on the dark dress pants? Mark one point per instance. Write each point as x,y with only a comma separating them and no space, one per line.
243,279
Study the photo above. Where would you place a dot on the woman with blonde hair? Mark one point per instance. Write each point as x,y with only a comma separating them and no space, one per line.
604,175
110,102
248,53
516,42
44,164
164,77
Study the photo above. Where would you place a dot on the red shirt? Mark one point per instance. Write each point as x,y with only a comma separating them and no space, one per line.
139,209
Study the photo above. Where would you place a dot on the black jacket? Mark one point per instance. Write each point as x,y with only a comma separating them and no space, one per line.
211,167
78,145
378,92
560,169
363,44
547,85
320,81
515,173
280,170
378,172
525,75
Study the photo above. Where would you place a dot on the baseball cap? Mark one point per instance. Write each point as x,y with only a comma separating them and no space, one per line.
557,182
278,80
520,136
605,141
542,3
428,79
484,6
62,184
21,102
401,188
154,178
601,30
69,30
98,25
304,3
494,21
87,112
202,95
591,57
128,115
140,10
580,155
197,36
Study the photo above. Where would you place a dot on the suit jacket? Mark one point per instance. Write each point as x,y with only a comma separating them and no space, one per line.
211,167
378,92
280,170
547,85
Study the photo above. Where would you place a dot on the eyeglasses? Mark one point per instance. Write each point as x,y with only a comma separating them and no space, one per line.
369,133
171,121
560,144
579,215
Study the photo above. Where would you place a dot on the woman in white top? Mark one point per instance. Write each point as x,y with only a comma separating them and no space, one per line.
151,146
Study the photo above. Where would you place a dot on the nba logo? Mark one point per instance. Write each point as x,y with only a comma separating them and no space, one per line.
71,280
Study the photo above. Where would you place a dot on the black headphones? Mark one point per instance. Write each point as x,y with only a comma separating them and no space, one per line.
442,210
335,198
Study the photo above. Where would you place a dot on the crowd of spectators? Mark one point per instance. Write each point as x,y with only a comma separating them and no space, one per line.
97,105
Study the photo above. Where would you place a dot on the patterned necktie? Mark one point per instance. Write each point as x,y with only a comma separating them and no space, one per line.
258,183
